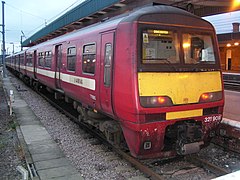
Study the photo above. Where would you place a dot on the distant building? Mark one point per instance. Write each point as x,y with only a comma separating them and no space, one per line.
229,44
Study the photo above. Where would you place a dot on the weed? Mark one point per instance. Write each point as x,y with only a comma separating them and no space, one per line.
13,125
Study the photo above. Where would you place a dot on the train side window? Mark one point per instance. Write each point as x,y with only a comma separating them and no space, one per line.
22,59
17,59
107,64
89,58
29,60
41,59
71,58
48,59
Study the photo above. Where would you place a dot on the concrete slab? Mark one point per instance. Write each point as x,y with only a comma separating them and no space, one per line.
71,177
47,156
34,133
43,148
53,163
18,103
25,116
64,171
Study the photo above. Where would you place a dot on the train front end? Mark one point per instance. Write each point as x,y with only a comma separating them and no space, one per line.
178,85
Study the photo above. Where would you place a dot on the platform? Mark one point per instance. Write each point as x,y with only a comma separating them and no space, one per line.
231,176
44,158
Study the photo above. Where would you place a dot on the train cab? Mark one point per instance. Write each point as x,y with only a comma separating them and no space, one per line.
167,82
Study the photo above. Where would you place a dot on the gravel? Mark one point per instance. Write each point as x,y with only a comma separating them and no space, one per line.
221,157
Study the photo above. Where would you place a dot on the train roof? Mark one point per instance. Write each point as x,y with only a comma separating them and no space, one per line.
131,16
158,9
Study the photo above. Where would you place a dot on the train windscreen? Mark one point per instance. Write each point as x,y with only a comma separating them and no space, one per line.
198,49
177,50
160,46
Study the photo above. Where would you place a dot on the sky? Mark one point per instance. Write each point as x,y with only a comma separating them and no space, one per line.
25,17
223,22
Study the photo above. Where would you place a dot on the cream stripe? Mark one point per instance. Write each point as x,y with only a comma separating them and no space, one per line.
76,80
79,81
29,68
47,73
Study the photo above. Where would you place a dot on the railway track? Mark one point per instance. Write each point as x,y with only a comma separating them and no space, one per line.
231,82
143,166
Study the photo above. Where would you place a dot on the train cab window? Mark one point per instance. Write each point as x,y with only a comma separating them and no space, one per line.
71,58
41,59
29,60
198,49
89,59
159,46
107,64
48,59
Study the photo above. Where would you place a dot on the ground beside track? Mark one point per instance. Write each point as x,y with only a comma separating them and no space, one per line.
11,154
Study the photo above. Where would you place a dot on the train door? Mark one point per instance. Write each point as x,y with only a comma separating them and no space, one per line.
58,64
107,40
34,63
229,59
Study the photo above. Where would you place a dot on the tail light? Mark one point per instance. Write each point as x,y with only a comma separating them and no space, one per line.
155,101
210,97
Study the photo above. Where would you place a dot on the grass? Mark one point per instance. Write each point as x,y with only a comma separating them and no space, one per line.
13,125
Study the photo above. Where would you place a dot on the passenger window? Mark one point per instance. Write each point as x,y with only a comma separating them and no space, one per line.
107,64
71,58
41,59
22,59
89,59
29,60
48,59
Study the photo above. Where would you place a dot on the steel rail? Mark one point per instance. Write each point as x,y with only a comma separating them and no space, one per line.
218,171
230,85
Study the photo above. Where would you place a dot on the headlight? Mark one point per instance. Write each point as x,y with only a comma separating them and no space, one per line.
155,101
210,97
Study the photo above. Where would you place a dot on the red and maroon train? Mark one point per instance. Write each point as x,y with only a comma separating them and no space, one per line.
154,72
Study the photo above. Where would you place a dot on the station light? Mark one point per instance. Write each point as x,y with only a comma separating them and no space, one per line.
236,43
228,45
186,45
236,3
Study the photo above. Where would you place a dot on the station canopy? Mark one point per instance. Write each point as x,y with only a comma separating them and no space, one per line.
93,11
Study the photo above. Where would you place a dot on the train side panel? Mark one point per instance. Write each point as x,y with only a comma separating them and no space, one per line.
31,56
44,66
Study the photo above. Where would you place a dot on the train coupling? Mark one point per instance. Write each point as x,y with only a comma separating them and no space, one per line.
190,148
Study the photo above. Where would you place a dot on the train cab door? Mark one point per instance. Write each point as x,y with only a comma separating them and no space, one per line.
107,40
58,64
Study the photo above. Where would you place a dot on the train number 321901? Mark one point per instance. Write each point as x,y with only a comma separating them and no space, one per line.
213,118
